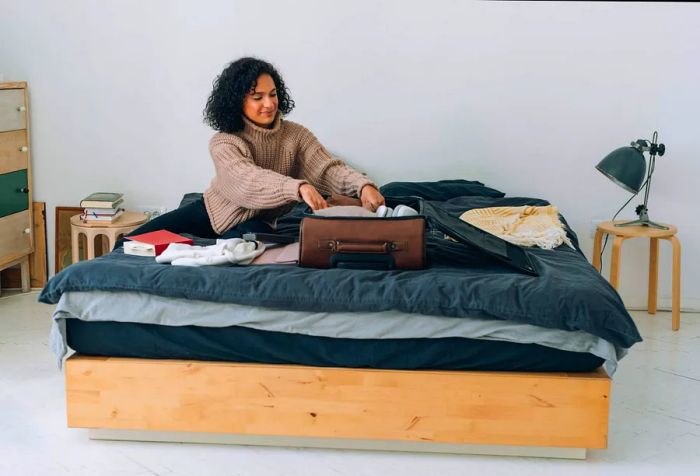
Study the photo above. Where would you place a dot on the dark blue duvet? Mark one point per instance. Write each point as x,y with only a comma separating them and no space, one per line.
460,281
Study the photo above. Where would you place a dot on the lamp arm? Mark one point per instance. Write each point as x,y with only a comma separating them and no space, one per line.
653,149
652,163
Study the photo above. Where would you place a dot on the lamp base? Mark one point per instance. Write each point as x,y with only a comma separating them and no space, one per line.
643,222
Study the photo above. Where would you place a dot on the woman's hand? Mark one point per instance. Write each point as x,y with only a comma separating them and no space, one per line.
371,198
311,196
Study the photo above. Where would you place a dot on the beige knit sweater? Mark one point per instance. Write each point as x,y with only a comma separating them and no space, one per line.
523,226
259,171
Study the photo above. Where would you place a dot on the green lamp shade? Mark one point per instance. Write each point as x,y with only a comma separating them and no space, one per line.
626,167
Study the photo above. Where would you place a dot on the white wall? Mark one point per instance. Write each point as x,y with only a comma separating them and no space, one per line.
526,97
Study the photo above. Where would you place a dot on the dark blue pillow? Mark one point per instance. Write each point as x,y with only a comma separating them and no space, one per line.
441,190
189,198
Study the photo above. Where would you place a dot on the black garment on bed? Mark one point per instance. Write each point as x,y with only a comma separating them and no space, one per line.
243,344
193,218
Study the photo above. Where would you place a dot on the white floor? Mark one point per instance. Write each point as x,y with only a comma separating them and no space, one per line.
654,427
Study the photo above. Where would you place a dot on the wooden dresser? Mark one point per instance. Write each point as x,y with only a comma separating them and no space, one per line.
16,230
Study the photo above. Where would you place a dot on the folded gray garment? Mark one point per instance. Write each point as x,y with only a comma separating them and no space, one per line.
355,211
345,211
151,309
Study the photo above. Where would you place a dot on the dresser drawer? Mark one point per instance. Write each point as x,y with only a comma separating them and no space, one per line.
12,110
14,151
15,238
14,196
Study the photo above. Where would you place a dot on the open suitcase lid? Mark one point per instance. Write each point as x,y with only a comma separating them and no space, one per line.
505,252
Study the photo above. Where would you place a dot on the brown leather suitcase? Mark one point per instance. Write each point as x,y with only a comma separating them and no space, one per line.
364,243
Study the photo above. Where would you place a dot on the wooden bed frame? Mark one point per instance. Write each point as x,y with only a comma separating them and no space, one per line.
513,413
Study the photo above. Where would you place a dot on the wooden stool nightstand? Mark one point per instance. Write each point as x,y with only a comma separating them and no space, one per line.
126,223
621,233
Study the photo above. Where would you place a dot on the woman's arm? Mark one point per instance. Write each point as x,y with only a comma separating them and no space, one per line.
248,185
326,173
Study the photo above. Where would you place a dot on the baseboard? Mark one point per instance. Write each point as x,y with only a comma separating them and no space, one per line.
664,304
688,304
19,290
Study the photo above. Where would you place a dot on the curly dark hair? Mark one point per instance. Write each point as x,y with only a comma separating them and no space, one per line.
224,109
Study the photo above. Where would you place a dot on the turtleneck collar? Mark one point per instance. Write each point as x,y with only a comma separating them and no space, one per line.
253,130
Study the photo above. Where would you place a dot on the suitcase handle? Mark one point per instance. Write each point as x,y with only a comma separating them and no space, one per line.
357,247
384,262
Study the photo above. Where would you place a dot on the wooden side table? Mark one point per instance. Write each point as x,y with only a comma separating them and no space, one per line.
621,233
126,223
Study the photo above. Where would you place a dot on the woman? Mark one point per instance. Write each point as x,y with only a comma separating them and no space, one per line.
264,163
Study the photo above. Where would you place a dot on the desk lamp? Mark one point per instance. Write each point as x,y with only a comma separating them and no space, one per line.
626,167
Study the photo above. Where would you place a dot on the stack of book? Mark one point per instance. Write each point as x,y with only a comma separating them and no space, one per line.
102,207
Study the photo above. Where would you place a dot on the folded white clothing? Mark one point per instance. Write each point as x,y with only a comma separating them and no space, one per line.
404,211
400,211
384,212
231,251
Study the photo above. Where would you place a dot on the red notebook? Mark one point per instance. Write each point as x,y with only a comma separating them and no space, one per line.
152,243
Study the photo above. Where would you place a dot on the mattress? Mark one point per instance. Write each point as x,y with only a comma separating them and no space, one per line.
242,344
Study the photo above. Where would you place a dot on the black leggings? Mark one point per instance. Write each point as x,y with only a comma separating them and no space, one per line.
193,219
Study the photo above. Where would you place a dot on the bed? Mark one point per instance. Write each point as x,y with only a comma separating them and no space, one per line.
464,356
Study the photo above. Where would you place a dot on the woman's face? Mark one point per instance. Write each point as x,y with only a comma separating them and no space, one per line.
260,103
